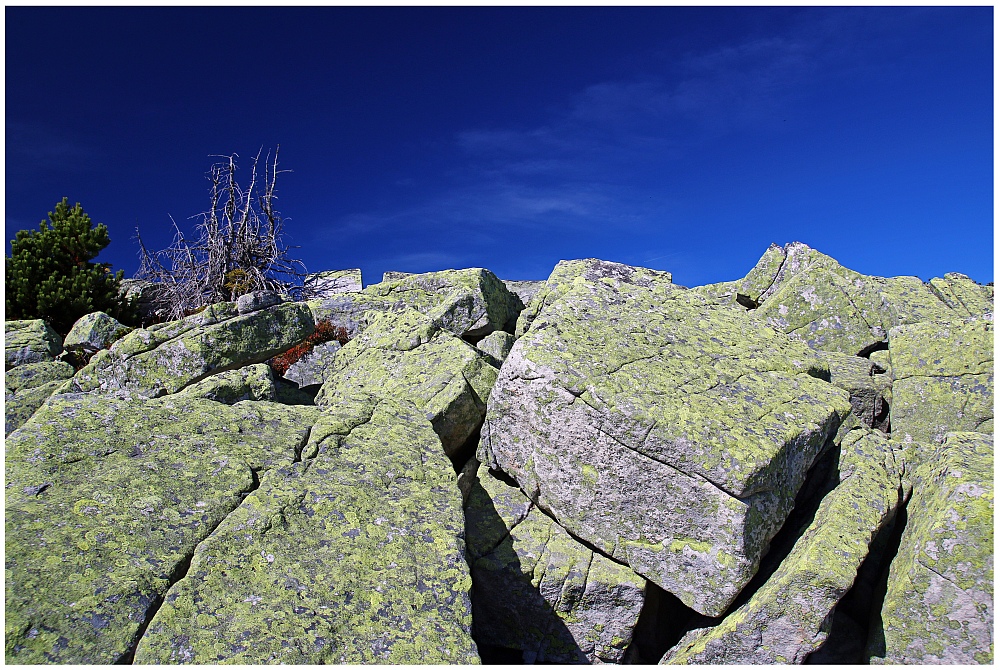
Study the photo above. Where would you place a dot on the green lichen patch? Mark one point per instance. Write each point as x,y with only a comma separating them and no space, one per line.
407,356
938,606
870,389
105,503
789,616
253,382
700,422
537,589
963,295
18,407
29,341
354,555
497,344
31,375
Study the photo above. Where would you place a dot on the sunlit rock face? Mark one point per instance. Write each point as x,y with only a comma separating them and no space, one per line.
603,466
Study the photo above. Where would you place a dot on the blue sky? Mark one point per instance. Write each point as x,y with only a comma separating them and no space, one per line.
682,139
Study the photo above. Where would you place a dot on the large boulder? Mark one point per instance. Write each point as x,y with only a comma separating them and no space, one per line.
469,303
669,433
94,331
253,382
938,607
165,358
352,555
539,591
943,379
30,341
566,273
810,295
106,501
409,357
790,615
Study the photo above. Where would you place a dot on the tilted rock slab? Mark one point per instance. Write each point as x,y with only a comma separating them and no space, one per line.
938,607
353,555
537,589
833,308
669,433
468,303
106,501
789,616
409,357
27,386
315,366
94,331
29,341
944,379
165,358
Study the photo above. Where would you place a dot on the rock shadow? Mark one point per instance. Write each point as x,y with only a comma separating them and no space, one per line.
512,622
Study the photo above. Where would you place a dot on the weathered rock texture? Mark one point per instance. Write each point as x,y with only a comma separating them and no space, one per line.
332,282
670,433
796,466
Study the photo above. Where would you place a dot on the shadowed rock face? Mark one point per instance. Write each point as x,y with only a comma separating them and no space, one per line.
792,467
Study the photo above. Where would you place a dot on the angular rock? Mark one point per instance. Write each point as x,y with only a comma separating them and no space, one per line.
566,273
944,379
315,366
165,359
20,406
669,433
353,555
256,301
790,615
411,358
939,604
832,308
32,375
870,390
30,341
106,501
331,282
497,344
94,331
537,590
253,382
392,275
963,295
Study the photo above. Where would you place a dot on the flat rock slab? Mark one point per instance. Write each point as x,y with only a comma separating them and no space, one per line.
789,616
409,357
164,359
938,607
944,379
353,555
537,589
29,341
670,433
106,501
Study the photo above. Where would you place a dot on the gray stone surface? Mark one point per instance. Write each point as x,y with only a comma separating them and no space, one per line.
30,341
331,282
94,331
497,344
256,301
315,365
670,433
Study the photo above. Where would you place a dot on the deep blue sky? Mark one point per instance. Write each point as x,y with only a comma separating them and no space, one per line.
683,139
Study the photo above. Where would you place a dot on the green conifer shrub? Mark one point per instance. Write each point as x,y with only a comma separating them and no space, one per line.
49,274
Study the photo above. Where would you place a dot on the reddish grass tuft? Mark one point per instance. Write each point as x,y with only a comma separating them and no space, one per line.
325,332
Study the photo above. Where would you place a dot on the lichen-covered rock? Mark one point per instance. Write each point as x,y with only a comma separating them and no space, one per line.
939,604
18,407
790,615
253,382
30,341
331,282
470,303
154,361
353,555
943,379
537,589
106,501
835,309
566,273
315,366
497,344
32,375
409,357
670,433
963,295
256,301
870,388
94,331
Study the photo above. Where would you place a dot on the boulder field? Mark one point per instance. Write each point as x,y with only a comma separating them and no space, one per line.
602,467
